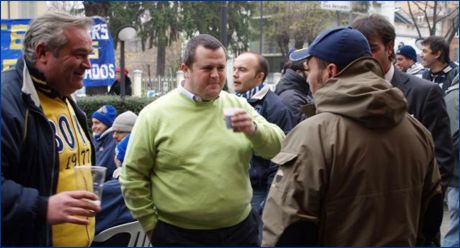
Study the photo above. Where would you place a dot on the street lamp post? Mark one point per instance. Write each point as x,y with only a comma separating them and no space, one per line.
125,34
261,27
223,24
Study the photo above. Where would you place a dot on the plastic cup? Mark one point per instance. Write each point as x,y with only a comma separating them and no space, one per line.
91,178
228,113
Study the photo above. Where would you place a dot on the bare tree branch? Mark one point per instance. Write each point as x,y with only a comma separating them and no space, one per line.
435,17
427,20
452,30
414,20
453,12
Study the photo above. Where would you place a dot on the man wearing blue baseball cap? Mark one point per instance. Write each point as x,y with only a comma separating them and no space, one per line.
366,171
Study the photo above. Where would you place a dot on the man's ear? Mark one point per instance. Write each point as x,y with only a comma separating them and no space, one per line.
390,49
260,77
40,53
332,70
437,54
185,69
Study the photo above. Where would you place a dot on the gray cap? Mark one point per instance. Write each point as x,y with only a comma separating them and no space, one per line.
124,122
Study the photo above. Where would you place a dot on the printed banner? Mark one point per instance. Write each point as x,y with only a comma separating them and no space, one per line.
102,72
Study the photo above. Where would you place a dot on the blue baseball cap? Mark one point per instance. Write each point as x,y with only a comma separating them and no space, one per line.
339,45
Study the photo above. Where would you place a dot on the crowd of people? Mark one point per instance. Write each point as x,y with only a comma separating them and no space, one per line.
357,146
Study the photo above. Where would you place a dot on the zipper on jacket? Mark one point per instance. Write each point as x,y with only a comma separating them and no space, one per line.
51,189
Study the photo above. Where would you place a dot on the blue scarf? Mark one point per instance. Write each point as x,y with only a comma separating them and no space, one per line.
248,94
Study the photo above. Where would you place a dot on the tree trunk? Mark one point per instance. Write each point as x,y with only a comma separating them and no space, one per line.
161,59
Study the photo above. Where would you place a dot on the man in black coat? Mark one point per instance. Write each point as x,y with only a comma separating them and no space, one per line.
425,99
249,73
293,88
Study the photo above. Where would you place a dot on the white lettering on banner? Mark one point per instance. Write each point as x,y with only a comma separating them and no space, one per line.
100,32
98,72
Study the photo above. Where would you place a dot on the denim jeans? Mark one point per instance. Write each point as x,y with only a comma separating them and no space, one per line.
258,203
451,238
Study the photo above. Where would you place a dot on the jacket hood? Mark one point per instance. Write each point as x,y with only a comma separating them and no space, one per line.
359,92
292,80
416,68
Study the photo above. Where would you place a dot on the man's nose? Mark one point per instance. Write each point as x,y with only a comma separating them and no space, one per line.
86,63
214,72
235,73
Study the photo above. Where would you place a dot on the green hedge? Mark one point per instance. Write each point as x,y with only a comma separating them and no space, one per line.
89,104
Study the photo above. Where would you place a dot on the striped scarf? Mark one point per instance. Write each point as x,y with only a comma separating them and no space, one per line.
248,94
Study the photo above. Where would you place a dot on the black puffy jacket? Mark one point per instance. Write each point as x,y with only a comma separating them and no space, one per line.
295,92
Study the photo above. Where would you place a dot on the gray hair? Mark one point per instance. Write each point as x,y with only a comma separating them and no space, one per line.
48,29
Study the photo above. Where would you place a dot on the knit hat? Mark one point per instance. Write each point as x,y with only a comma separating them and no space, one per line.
106,114
408,52
120,150
124,122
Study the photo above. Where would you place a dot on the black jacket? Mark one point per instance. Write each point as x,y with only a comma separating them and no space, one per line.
30,164
115,89
294,91
425,101
275,111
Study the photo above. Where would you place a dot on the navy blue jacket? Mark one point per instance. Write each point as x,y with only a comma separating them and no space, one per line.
294,91
444,78
114,211
30,164
275,111
426,103
105,153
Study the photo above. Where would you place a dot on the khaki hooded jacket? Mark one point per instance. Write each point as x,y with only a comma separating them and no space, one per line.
362,169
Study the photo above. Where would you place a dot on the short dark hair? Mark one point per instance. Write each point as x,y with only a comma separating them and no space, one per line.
294,65
438,44
376,24
205,40
262,64
322,64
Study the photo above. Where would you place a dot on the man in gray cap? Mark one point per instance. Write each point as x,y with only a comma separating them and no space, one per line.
122,125
365,174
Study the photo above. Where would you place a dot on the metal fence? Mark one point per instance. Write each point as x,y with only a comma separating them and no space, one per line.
160,85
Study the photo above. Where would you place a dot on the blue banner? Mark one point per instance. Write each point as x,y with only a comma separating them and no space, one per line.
102,72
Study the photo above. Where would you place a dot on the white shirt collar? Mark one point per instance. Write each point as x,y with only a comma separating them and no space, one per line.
390,73
188,94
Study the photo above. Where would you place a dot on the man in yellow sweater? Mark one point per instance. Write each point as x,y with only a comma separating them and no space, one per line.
185,175
45,135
